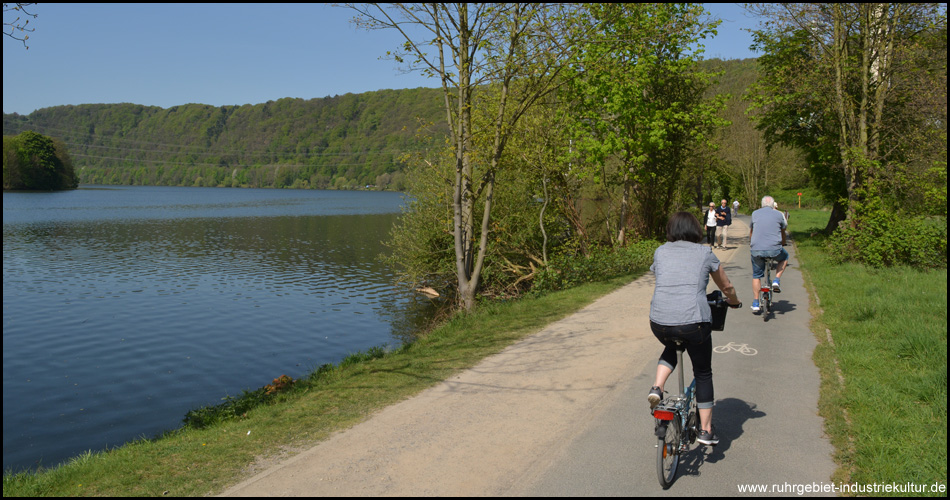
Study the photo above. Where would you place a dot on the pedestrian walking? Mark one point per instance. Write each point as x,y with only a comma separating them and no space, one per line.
709,218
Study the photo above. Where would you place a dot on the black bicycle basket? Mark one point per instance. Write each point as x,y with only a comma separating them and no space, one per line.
719,308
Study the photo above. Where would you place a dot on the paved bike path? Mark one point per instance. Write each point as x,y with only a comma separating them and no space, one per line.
765,414
564,413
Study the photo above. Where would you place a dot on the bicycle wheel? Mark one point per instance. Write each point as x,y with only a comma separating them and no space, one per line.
668,453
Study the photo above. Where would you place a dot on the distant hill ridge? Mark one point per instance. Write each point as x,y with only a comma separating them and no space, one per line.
346,141
341,142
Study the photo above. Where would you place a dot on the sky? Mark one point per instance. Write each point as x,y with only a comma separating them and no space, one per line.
222,54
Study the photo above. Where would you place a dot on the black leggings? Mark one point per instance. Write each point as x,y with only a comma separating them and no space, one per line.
698,342
711,234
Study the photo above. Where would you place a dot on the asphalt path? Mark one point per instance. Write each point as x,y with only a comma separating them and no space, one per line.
765,410
564,413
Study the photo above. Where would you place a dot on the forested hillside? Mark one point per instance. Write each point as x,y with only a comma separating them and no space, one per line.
340,142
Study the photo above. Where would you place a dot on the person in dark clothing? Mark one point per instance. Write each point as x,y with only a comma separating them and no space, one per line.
723,221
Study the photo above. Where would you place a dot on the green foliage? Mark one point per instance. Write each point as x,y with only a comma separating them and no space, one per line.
868,145
607,151
372,353
35,162
789,105
885,231
569,270
639,101
421,241
235,407
883,236
341,142
918,189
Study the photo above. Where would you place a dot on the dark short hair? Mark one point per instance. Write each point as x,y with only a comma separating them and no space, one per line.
684,226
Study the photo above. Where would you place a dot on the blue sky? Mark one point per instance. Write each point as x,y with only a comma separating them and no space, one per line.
222,54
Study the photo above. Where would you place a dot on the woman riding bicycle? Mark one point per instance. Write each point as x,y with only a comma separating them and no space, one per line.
679,310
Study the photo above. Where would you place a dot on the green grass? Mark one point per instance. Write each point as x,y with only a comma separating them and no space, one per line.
888,340
789,199
201,461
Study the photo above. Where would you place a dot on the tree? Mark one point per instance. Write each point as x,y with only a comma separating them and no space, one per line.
837,82
541,144
639,103
18,27
511,50
34,161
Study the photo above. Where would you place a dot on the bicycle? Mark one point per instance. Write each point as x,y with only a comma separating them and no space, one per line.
676,417
766,287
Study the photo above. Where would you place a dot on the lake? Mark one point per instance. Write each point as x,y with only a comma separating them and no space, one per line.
124,307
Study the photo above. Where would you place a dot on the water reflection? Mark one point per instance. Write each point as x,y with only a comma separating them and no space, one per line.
114,327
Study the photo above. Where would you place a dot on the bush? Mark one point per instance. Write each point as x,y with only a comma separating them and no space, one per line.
568,270
882,239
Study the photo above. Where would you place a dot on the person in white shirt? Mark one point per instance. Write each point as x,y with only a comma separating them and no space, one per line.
710,219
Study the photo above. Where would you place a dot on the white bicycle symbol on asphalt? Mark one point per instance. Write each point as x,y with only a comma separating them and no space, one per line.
732,346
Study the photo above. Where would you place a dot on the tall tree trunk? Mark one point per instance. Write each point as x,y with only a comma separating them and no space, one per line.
463,200
840,55
544,234
838,214
624,209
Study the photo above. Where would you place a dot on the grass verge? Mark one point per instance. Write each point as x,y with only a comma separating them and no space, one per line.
194,462
882,354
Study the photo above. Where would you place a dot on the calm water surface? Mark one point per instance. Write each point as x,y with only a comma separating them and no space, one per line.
125,307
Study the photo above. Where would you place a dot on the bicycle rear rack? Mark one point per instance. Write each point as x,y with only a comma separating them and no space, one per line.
669,408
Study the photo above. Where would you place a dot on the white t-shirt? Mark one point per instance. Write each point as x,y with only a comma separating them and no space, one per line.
711,217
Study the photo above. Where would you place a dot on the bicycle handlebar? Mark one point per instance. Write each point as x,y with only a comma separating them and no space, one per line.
720,301
723,303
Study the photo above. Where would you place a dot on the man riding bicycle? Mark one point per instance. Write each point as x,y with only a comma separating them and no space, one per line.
767,237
